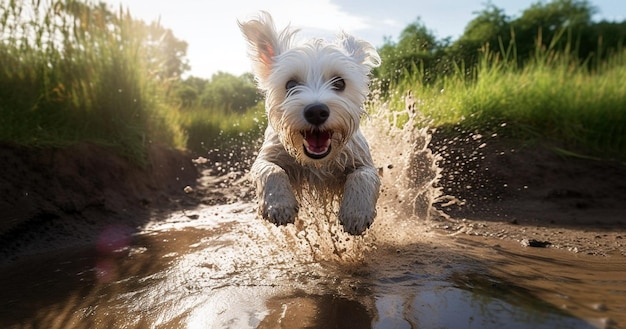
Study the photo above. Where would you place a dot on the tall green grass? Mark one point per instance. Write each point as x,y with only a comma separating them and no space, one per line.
73,71
554,98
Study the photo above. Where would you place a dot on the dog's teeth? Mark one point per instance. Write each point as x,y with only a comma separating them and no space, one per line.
317,142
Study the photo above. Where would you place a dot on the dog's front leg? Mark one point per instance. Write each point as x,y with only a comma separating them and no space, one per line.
358,205
277,202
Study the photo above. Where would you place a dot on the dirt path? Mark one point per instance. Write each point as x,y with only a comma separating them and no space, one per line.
178,243
520,193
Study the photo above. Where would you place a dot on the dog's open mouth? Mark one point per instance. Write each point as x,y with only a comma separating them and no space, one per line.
317,143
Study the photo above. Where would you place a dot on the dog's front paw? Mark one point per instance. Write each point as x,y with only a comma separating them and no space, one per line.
280,211
356,221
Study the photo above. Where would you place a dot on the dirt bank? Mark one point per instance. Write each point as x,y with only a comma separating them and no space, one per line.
57,198
533,195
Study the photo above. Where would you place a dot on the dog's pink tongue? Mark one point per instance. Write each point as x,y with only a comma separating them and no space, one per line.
317,142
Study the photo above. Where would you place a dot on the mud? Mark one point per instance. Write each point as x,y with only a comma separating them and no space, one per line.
514,191
221,267
91,241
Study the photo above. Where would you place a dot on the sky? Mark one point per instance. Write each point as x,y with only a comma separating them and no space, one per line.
216,44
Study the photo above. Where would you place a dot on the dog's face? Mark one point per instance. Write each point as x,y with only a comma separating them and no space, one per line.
314,91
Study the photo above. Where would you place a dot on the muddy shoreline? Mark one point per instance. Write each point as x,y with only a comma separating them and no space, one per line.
530,239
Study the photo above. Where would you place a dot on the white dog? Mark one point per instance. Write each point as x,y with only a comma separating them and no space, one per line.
314,102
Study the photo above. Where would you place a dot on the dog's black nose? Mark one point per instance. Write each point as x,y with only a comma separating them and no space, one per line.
316,114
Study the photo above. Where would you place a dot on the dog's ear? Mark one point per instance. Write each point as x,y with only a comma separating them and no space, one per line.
264,43
360,50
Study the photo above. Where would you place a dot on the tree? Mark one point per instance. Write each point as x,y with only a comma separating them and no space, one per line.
188,91
417,48
557,25
165,53
490,27
607,37
230,93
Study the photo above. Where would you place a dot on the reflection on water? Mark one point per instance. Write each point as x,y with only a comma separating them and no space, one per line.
221,267
227,269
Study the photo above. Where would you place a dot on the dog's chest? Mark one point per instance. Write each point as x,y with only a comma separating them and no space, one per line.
319,178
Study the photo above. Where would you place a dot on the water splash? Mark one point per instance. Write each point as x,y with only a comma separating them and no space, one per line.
399,142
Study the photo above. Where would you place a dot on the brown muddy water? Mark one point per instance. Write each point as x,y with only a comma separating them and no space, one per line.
220,266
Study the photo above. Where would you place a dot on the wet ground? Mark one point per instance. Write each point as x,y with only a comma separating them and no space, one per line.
518,238
221,267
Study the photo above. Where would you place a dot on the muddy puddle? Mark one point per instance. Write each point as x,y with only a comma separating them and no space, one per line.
222,267
217,265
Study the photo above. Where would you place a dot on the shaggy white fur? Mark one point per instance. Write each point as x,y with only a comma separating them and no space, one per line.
314,102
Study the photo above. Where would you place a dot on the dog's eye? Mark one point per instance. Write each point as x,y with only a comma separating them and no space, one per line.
338,83
291,84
